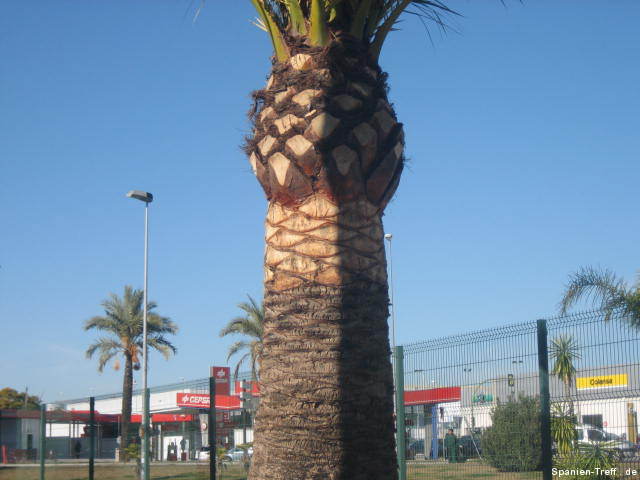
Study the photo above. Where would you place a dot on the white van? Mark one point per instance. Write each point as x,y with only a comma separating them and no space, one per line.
593,436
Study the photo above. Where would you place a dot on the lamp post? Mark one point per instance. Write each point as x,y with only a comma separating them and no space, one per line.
147,198
388,238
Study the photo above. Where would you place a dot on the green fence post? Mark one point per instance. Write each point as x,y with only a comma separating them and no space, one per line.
211,425
400,428
43,437
545,400
92,435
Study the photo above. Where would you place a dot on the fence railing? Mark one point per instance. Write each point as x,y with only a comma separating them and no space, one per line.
521,401
516,402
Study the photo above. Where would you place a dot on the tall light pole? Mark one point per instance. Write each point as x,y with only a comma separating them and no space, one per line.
147,198
388,238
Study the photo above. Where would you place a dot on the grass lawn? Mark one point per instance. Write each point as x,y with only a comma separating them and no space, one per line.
192,471
478,470
463,471
103,471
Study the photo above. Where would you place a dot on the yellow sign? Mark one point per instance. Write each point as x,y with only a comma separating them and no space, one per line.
602,381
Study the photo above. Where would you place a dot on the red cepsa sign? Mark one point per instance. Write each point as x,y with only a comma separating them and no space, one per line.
196,400
223,385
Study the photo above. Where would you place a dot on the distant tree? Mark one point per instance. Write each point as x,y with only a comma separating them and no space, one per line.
251,326
123,324
607,292
10,398
564,351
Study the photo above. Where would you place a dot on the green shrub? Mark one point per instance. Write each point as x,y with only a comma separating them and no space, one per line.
133,451
563,428
592,460
513,442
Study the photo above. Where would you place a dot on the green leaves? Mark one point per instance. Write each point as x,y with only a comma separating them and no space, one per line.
251,325
296,16
122,322
368,20
564,351
563,428
606,291
359,21
319,33
10,398
279,46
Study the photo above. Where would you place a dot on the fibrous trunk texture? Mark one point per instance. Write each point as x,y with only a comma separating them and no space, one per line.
328,152
127,392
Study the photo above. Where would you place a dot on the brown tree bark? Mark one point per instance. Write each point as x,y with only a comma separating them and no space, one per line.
127,392
328,152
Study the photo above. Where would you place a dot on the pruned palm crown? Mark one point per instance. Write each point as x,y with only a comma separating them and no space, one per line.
323,124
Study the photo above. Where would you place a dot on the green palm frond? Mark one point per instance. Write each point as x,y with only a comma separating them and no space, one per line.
251,326
237,347
107,348
564,351
563,428
123,320
244,357
159,324
101,323
602,287
162,345
320,21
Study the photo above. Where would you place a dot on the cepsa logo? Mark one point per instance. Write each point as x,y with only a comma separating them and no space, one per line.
198,400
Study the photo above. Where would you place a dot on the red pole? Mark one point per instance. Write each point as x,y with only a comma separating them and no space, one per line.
4,454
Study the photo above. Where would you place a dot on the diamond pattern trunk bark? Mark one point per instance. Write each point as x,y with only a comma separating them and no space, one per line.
328,152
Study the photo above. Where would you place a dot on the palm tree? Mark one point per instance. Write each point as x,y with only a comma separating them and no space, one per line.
251,326
564,352
123,325
607,291
327,149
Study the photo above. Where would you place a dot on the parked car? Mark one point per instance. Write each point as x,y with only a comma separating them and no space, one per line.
418,447
588,434
470,446
203,454
414,448
236,454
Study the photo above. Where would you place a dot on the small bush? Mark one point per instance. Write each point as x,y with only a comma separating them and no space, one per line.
513,442
592,460
563,428
133,451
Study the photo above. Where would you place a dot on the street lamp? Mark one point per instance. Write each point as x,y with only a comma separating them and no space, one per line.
388,238
147,198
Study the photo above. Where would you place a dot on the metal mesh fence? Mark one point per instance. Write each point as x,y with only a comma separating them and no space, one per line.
82,438
601,397
452,386
474,404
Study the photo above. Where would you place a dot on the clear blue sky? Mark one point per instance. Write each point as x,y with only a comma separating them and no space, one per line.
522,130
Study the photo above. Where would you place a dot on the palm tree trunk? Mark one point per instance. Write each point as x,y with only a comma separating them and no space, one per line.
326,382
327,151
127,393
567,395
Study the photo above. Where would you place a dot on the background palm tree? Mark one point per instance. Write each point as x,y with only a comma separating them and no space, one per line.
122,323
564,351
251,326
327,149
607,292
